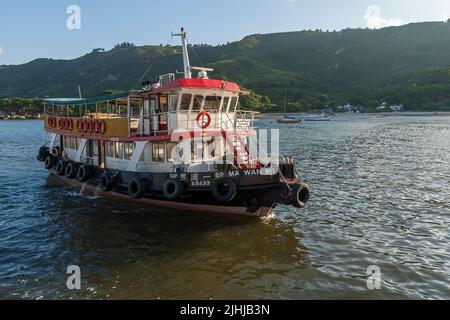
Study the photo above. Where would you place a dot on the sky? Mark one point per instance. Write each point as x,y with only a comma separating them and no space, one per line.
62,29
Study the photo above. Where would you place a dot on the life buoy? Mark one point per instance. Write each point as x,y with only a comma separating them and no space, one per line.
71,170
203,120
224,189
61,123
83,173
136,188
172,189
49,122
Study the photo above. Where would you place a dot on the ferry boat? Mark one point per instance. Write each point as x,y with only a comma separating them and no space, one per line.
180,143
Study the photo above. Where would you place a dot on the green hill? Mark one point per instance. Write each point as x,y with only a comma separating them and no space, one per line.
408,64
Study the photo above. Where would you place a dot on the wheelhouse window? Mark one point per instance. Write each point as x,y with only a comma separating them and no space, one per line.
198,103
226,101
163,104
185,102
158,152
153,105
212,103
233,104
173,102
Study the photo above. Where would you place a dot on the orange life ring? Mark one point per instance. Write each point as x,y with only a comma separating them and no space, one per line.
203,120
61,123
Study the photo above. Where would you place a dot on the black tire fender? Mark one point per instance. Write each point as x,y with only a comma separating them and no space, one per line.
61,168
71,170
83,173
136,188
219,184
172,189
49,162
300,195
106,182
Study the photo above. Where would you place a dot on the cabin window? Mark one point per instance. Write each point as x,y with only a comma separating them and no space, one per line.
110,149
173,103
94,148
198,103
212,103
128,150
158,152
185,102
226,100
233,104
170,147
119,150
71,143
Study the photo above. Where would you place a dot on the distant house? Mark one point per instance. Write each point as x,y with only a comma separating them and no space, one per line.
397,108
347,108
382,106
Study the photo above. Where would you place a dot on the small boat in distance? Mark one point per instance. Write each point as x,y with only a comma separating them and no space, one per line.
287,119
318,117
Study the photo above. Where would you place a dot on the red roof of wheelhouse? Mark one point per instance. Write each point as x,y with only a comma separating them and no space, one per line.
196,83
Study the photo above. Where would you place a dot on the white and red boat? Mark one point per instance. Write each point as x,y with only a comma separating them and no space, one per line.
181,143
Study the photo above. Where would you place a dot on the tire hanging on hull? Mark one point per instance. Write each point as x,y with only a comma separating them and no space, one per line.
224,190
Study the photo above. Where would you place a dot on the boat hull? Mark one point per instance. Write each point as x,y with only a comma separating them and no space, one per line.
288,121
182,206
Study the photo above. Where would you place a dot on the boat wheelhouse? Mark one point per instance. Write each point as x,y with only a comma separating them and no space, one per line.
181,143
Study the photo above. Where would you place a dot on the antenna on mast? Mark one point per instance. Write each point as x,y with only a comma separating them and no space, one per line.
186,62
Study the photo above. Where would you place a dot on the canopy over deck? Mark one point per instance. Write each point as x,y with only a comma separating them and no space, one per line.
87,101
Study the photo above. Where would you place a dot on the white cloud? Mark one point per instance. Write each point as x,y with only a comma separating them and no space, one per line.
374,20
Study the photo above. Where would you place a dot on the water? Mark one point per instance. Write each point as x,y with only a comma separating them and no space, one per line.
380,190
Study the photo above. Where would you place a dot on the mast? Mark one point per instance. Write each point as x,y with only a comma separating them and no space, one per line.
187,64
285,101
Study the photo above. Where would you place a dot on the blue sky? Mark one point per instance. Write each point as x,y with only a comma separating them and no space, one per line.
35,29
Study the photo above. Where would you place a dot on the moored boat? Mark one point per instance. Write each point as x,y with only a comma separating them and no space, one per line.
180,143
318,117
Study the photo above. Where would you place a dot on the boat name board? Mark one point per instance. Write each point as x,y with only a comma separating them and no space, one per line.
205,179
88,126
